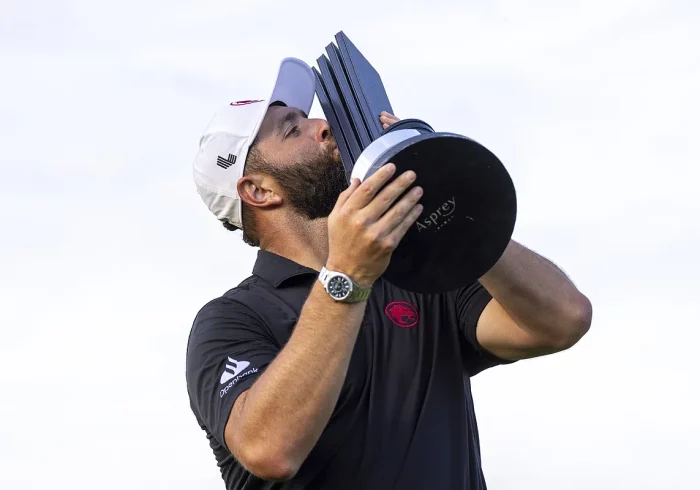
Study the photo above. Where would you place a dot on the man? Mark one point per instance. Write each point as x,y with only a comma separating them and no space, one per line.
299,383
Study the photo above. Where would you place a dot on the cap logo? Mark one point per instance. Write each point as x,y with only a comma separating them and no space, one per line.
226,163
244,102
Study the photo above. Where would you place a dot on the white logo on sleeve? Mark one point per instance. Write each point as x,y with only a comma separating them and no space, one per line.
233,369
234,372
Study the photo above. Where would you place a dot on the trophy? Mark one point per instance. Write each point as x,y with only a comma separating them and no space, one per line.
469,203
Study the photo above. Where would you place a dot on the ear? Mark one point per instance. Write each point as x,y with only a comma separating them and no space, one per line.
258,191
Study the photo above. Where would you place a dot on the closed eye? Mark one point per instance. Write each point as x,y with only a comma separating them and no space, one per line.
291,118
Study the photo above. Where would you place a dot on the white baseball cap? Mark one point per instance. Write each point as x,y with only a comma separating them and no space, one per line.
224,145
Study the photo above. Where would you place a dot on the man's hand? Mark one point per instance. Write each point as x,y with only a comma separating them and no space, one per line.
387,119
366,225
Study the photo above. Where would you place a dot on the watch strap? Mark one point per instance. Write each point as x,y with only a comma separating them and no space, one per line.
358,292
323,275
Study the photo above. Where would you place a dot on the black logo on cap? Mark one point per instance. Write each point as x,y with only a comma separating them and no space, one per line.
223,163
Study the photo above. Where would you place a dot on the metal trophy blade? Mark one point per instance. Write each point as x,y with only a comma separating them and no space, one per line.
469,202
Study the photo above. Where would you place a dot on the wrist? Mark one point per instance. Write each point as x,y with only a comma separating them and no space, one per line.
343,288
353,273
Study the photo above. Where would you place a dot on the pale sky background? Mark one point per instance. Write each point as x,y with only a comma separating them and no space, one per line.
107,252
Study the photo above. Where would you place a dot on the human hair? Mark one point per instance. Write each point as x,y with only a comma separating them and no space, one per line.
254,163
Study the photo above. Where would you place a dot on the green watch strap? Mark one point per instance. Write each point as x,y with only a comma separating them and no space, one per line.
358,293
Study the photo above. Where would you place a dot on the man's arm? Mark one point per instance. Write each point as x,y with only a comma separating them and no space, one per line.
274,425
536,310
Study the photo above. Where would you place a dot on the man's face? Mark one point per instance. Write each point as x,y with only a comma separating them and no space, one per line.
302,156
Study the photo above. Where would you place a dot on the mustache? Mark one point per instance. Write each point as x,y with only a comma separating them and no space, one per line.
332,153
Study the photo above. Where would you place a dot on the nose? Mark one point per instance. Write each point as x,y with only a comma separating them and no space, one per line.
322,131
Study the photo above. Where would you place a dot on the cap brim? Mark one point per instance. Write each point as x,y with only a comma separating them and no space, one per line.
295,85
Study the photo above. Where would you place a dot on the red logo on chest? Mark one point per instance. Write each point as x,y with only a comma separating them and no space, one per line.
402,314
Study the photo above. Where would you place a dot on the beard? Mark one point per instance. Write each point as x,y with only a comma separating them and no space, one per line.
313,186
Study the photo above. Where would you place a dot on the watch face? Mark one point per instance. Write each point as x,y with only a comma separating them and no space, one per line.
339,287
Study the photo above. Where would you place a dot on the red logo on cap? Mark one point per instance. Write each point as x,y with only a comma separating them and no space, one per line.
402,314
244,102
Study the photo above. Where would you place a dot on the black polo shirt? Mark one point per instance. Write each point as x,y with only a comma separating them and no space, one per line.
405,418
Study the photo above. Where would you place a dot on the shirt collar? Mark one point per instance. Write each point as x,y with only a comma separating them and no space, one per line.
276,269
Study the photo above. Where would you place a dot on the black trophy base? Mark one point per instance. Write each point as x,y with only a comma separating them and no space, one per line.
469,207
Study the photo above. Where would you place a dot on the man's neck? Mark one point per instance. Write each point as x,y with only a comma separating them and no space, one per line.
304,242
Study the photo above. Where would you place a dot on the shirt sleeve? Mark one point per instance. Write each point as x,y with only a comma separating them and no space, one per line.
229,347
470,303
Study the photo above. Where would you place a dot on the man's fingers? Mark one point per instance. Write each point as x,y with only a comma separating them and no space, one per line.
395,216
398,233
388,115
366,191
345,195
388,195
387,119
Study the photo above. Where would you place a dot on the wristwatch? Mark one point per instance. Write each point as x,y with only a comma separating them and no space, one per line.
341,288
